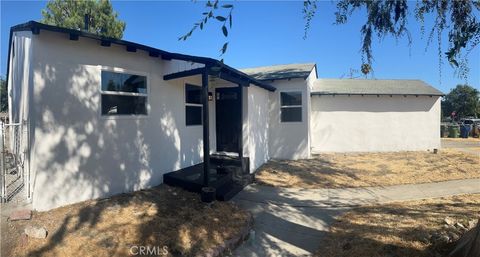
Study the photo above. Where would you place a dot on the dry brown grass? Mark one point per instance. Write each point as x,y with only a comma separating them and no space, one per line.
162,216
399,229
370,169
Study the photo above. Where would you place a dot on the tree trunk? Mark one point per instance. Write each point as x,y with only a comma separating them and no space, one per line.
469,244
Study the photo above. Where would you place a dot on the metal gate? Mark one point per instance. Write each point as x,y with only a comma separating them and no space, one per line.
13,143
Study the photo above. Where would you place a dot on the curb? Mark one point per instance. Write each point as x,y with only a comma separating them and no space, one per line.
226,247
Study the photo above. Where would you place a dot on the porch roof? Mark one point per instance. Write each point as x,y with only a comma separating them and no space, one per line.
222,72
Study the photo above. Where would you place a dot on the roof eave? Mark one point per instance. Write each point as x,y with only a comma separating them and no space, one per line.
283,78
402,94
31,25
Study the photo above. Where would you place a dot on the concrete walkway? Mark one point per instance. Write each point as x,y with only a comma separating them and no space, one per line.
290,222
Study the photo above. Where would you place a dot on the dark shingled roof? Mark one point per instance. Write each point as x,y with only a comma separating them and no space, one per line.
373,87
287,71
36,28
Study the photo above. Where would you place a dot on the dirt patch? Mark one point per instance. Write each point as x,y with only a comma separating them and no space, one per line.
414,228
171,221
369,169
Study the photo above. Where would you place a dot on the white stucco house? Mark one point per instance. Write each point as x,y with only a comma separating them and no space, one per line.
106,116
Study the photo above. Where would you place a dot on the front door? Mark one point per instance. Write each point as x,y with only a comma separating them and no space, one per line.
228,119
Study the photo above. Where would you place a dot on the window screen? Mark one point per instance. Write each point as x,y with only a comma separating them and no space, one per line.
122,82
193,105
123,94
291,106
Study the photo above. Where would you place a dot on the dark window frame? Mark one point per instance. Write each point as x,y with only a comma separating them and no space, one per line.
144,96
288,106
193,105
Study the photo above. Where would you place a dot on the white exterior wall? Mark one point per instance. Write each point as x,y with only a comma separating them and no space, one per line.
19,83
77,153
19,88
310,80
289,140
375,124
258,127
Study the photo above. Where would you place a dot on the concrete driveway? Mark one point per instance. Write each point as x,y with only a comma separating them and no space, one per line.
291,222
467,145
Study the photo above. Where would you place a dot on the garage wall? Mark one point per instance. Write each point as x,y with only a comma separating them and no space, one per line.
374,124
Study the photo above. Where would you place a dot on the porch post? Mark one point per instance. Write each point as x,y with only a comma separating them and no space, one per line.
206,134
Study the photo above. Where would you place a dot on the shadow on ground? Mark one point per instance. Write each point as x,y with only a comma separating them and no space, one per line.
414,228
162,218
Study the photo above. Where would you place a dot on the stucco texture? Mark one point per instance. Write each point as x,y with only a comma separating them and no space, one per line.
375,124
79,154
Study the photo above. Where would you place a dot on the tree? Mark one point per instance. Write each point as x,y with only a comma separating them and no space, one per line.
3,95
464,100
211,12
103,20
388,18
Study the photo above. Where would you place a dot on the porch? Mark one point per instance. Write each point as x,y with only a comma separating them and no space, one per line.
221,97
225,175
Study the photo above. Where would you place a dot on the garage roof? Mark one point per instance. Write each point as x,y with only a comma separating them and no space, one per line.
373,87
286,71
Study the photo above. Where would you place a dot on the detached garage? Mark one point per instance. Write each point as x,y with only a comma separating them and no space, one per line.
374,115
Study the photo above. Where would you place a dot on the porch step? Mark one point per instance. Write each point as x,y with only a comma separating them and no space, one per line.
226,176
225,160
191,178
229,190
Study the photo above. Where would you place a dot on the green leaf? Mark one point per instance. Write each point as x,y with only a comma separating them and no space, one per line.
220,18
454,62
230,20
201,25
225,31
224,48
227,6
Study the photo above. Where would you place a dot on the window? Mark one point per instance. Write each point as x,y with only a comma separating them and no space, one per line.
291,106
193,105
123,94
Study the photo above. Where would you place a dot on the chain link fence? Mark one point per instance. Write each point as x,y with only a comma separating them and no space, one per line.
13,147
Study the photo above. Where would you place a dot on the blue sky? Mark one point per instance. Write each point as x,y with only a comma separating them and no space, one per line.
267,33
